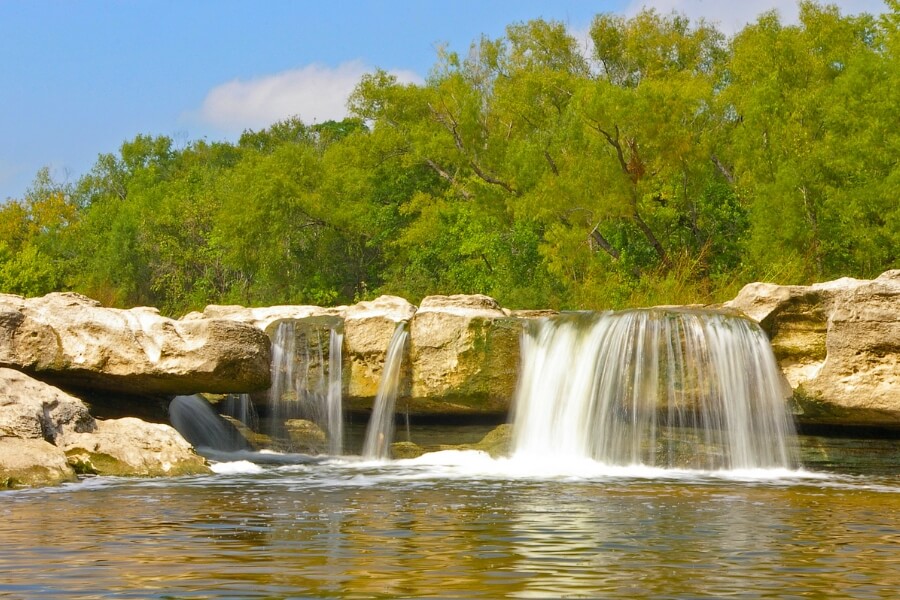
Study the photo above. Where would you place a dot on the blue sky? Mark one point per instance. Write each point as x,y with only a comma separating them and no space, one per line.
79,78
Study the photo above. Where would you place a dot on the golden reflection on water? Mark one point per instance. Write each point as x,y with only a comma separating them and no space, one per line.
354,536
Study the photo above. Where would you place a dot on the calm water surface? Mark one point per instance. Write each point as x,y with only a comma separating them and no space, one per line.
458,524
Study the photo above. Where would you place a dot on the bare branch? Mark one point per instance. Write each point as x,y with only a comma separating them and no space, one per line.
597,239
725,171
450,178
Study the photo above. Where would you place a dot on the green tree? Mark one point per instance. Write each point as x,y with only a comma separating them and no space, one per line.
813,146
34,256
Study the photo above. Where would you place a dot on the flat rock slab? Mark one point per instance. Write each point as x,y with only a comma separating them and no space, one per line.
71,340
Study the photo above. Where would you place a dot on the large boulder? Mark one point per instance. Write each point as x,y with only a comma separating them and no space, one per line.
69,339
34,410
838,344
134,448
464,354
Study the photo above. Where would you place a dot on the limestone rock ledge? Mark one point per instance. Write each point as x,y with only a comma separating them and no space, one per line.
67,338
838,344
461,359
47,437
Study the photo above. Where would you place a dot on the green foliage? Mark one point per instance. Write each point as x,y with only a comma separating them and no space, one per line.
670,165
34,238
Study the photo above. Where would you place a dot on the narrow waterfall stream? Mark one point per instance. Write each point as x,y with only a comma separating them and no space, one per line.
380,432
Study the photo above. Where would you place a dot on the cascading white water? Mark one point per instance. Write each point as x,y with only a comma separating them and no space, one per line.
335,413
668,388
306,384
240,407
380,431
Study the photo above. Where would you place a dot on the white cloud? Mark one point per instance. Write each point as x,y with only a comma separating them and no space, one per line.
731,17
314,93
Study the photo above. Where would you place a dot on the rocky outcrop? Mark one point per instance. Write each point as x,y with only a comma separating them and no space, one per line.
838,344
367,328
68,338
47,436
464,354
33,416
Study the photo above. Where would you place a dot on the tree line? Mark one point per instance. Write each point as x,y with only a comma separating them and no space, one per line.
668,164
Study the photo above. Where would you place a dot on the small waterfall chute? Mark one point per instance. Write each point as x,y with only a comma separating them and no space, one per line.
240,407
380,431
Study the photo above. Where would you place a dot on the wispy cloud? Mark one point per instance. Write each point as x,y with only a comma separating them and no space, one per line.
731,17
314,93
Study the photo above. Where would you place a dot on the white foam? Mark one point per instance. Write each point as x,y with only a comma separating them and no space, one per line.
478,465
235,467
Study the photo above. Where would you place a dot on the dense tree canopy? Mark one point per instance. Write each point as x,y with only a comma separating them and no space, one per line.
666,164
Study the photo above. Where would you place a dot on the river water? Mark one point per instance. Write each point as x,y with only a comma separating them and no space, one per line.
459,524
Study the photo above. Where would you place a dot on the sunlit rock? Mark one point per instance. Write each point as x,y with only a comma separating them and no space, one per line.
464,353
31,463
68,338
260,317
131,447
838,343
368,328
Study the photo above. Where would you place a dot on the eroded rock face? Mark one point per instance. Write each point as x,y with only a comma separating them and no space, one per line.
34,410
839,346
66,337
464,353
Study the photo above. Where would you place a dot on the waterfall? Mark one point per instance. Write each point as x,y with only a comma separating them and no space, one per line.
240,407
380,431
668,388
199,423
335,413
306,384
